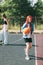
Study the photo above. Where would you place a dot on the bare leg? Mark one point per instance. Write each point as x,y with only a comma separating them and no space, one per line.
27,51
30,45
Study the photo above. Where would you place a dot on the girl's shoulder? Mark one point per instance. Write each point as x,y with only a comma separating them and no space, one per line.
24,25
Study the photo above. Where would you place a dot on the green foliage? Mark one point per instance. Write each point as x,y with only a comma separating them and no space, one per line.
39,8
17,10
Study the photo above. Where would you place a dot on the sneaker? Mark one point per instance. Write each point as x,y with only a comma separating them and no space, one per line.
27,58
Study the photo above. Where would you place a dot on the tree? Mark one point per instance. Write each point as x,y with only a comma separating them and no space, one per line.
19,9
39,8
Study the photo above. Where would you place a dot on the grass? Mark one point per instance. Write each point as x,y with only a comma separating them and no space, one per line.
14,27
11,27
39,27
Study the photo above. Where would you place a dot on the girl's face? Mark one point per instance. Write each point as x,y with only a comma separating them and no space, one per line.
29,20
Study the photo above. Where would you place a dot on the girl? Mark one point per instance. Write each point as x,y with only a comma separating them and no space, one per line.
4,30
28,37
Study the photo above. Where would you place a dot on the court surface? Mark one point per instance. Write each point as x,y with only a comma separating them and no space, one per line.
13,53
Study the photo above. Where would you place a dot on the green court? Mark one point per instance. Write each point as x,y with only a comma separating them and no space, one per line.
13,53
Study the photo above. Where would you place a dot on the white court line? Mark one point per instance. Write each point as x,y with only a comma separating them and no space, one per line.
35,50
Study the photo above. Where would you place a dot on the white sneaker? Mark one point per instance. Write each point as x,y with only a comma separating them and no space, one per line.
27,58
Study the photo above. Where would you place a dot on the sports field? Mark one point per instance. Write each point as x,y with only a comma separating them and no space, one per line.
13,53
